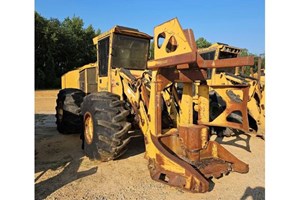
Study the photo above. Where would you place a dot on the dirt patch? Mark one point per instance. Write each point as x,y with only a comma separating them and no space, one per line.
63,172
45,101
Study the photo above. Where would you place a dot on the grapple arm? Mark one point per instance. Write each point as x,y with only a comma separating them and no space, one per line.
182,155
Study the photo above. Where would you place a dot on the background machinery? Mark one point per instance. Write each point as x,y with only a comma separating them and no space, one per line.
236,76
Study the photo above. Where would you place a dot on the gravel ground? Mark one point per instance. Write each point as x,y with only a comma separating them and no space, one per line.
63,172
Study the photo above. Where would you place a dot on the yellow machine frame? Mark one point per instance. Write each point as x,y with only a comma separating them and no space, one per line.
182,156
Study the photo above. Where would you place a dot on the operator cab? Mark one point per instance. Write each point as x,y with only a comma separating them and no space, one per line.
122,47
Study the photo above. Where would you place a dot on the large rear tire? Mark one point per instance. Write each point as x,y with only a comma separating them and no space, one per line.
68,113
105,136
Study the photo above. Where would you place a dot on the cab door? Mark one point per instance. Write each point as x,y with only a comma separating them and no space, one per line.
103,63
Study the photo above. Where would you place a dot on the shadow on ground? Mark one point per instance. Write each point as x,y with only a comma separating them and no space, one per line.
63,153
54,151
236,140
69,174
257,193
135,147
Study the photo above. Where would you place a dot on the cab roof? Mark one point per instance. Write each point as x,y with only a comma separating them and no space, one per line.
122,30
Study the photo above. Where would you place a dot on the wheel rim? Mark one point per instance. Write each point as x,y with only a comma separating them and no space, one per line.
88,128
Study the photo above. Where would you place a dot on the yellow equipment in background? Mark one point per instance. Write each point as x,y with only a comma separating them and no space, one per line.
233,76
131,91
83,78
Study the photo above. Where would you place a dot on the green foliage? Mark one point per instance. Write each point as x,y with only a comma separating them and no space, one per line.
202,43
61,47
263,62
245,52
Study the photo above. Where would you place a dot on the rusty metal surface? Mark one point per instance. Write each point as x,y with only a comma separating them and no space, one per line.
185,76
196,182
229,62
183,66
193,57
215,150
231,106
193,139
212,160
214,167
190,137
172,60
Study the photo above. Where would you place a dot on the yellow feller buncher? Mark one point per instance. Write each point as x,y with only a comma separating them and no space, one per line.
236,76
123,89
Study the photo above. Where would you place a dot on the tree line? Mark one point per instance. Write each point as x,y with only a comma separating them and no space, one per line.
61,46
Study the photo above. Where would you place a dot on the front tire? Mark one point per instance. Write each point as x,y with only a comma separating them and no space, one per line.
105,136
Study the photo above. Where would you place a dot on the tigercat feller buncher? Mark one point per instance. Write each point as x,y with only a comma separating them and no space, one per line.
123,89
236,76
